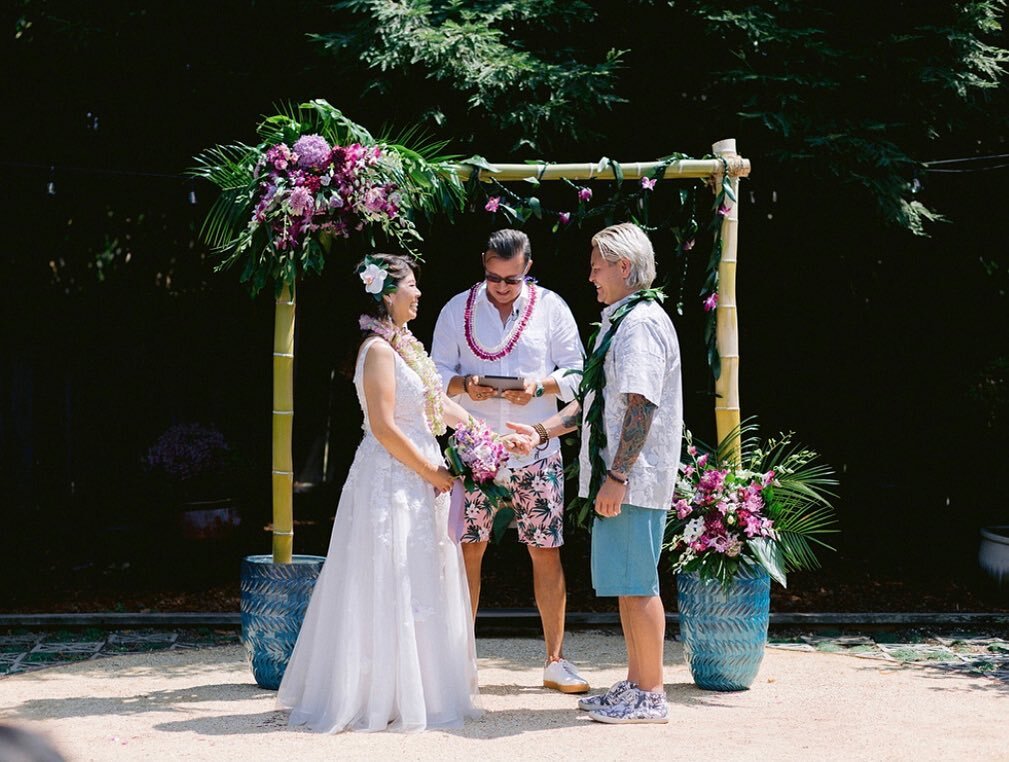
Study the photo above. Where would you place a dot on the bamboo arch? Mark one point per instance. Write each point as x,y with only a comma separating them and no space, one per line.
727,411
727,415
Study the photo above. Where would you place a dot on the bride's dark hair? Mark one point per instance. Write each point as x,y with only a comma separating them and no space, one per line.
398,267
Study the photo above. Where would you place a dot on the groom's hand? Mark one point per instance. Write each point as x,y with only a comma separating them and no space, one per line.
610,497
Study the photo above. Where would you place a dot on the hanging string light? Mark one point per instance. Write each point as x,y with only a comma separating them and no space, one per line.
51,185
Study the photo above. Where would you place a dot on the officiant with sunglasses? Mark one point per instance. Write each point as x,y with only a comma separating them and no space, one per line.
504,349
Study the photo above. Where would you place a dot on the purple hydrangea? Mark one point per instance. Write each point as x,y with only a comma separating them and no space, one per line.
313,151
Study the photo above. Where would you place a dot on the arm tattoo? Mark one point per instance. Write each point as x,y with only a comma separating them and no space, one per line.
571,415
637,423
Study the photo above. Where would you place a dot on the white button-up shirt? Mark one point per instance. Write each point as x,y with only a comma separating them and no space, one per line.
548,347
644,358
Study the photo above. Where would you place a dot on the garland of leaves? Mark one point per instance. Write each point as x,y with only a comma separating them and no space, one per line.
594,380
633,206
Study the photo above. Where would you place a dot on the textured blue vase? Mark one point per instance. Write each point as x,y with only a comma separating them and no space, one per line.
273,602
724,630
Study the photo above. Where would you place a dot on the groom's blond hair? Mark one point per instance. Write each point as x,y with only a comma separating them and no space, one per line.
628,241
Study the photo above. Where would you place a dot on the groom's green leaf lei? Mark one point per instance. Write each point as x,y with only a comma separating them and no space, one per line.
594,380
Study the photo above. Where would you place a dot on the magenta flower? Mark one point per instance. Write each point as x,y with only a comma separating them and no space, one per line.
564,218
647,183
692,450
688,245
301,201
711,302
702,461
584,194
724,210
492,203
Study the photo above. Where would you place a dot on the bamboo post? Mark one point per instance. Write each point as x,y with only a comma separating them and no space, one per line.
283,426
727,417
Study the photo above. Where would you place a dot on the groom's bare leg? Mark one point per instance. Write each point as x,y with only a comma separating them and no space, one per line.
645,622
472,556
551,597
632,653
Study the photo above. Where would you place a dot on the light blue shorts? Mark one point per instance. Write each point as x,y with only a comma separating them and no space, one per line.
625,552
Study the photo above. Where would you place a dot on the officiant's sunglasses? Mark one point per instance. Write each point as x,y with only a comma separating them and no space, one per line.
512,280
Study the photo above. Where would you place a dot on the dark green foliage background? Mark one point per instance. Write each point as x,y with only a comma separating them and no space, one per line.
883,348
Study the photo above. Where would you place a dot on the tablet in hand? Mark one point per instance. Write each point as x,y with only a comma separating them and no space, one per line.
502,383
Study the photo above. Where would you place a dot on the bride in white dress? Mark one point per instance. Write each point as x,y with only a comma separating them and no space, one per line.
387,641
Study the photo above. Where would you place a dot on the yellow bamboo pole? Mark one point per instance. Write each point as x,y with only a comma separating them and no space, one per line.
283,425
632,170
727,416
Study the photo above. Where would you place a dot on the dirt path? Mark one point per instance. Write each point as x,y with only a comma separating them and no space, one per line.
202,705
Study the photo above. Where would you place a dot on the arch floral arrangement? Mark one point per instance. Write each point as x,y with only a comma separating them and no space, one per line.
770,509
317,176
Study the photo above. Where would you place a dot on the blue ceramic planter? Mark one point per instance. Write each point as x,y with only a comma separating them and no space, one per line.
724,631
273,602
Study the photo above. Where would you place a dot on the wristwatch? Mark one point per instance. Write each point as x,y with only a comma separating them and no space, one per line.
539,389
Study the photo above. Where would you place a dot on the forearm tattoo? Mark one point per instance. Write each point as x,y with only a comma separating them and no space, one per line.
637,423
571,415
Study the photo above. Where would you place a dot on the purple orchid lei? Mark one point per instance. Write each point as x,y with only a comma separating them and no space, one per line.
510,339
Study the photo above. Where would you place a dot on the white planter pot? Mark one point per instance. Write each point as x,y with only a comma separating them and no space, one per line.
993,554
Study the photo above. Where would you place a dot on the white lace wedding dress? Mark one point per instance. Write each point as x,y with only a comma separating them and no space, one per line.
387,641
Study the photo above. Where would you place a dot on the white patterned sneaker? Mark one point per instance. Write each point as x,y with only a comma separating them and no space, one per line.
609,698
636,706
562,676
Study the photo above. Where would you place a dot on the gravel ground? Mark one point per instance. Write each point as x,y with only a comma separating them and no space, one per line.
203,705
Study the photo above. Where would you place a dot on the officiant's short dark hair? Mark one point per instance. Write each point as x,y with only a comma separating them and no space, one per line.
508,244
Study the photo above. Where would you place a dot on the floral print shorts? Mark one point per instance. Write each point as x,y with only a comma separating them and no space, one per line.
538,500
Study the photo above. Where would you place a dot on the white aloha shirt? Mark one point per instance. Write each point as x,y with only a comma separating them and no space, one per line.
549,347
644,358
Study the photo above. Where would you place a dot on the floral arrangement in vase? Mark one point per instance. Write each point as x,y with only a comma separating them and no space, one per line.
768,510
191,461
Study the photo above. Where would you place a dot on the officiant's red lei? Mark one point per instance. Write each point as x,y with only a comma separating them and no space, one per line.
511,338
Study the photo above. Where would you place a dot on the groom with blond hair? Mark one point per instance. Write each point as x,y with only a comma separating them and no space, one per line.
632,420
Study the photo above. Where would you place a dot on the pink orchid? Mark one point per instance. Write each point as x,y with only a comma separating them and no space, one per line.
647,183
688,245
692,450
564,218
724,210
584,194
492,203
711,302
702,461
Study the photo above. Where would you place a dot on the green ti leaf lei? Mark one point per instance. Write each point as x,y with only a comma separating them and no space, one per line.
594,380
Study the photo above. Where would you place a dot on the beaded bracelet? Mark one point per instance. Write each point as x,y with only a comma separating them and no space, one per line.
617,479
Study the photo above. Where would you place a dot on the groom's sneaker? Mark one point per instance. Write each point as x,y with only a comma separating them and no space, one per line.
562,676
636,706
613,696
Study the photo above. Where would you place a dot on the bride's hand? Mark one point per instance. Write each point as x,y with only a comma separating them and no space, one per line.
440,478
523,440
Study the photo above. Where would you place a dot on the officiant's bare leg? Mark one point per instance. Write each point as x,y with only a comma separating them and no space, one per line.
644,622
551,597
472,556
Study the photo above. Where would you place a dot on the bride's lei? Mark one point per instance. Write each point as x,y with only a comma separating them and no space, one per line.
507,344
414,355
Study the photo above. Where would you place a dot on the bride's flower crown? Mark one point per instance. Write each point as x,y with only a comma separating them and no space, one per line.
374,274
